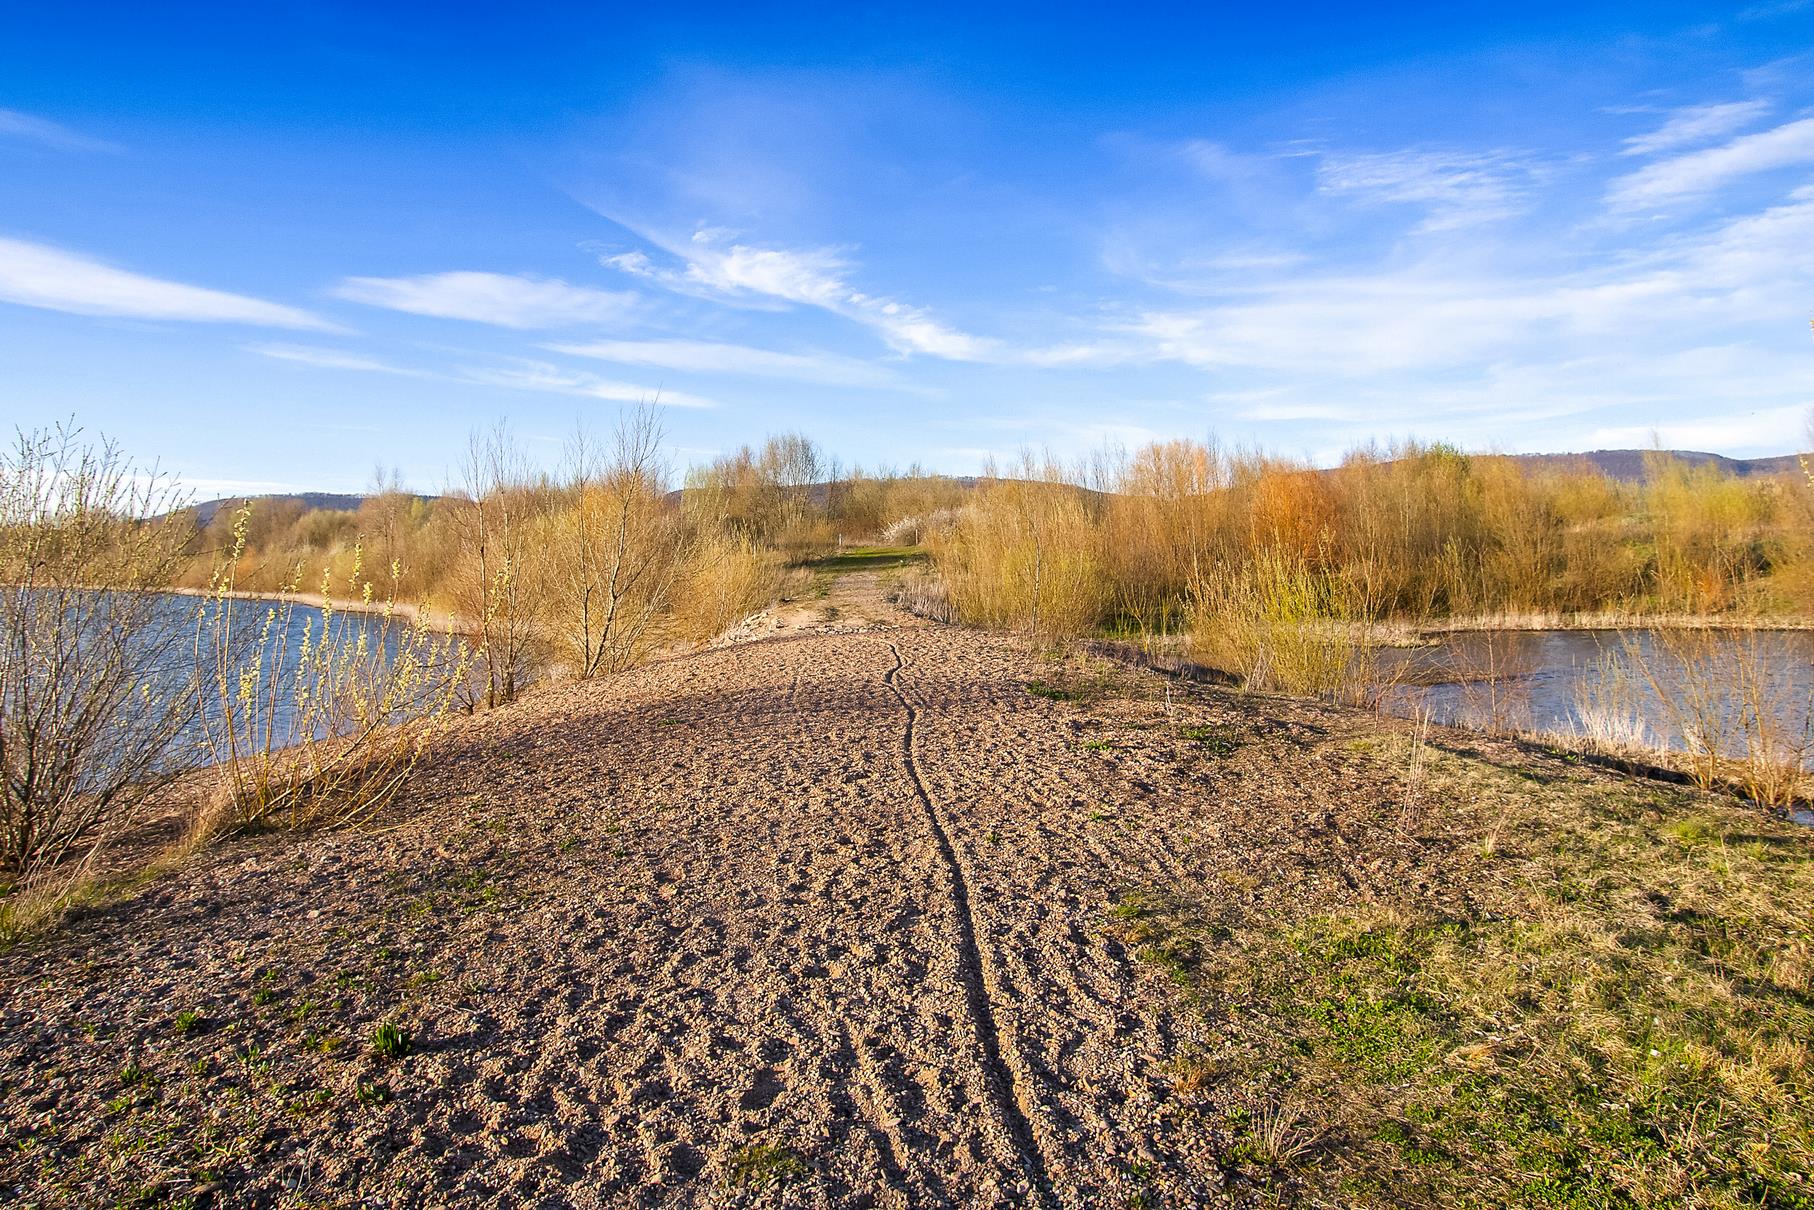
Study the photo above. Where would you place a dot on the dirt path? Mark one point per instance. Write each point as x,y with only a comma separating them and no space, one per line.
815,920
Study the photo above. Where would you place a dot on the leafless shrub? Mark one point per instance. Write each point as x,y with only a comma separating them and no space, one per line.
1495,687
727,577
1283,626
94,683
1415,752
913,530
318,715
1775,745
609,554
1024,555
1607,715
491,572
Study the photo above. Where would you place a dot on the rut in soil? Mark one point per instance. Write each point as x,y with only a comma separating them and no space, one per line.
1011,1088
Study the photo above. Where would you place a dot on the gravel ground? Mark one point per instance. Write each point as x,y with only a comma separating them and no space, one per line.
811,920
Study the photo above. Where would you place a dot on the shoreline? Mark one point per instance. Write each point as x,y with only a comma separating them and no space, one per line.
439,623
1413,633
1602,620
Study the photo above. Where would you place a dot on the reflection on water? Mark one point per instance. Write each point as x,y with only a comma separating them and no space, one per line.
1571,680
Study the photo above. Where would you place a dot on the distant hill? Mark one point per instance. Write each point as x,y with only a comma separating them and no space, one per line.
207,510
1628,465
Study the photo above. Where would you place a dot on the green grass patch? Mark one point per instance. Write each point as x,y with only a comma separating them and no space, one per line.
1617,1011
1217,741
869,558
764,1166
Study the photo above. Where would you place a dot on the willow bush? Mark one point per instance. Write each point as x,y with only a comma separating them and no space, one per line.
95,687
319,715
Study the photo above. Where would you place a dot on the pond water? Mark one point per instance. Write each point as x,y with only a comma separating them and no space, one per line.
278,649
1655,687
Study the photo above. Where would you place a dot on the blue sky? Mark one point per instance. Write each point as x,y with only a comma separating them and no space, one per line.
273,245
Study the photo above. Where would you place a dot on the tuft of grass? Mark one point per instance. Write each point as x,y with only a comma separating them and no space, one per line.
370,1093
1692,830
764,1166
389,1041
1161,931
1050,692
1217,741
188,1021
1271,1134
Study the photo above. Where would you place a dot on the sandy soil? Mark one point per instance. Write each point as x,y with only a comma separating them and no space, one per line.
828,908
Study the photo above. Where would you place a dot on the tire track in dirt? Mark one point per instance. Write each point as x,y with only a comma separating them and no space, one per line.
1011,1088
885,1132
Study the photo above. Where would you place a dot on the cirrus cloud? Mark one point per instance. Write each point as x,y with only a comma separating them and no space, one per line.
54,279
501,299
713,357
714,265
519,375
1696,124
1697,174
33,129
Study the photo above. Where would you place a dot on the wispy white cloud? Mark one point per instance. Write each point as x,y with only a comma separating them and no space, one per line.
1428,318
710,357
1696,174
334,359
541,376
1458,189
1769,11
38,275
1696,124
33,129
521,375
200,488
713,264
501,299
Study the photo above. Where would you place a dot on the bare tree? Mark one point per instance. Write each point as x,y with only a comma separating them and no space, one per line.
96,683
494,533
613,553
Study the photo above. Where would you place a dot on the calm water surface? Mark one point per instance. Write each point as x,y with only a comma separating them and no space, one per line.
1552,680
194,620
